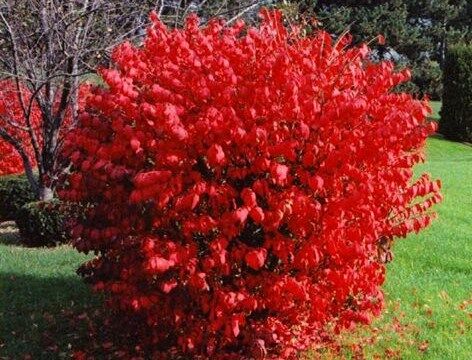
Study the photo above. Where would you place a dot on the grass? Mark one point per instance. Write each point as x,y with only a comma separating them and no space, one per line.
432,275
428,288
38,291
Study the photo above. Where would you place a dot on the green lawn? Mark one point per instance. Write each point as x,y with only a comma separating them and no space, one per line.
429,286
39,291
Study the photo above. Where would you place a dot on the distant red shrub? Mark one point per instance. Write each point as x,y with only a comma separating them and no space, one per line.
243,186
12,120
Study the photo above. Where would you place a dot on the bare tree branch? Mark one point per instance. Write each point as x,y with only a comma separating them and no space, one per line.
47,47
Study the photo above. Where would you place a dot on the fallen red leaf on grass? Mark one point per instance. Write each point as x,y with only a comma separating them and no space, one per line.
423,346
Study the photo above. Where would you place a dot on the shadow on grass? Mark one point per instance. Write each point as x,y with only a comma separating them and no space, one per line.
44,318
52,317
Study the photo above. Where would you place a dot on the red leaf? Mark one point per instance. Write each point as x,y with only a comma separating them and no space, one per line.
256,258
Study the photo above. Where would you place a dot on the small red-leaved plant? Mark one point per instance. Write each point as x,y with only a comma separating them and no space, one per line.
244,184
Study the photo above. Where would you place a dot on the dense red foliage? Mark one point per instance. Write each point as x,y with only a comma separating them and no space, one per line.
12,120
10,161
243,184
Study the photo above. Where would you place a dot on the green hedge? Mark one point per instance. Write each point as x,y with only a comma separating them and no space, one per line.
456,112
42,223
15,191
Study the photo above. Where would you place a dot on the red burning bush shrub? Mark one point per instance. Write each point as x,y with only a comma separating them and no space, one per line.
243,185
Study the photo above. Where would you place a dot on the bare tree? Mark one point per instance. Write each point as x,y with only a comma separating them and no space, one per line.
49,46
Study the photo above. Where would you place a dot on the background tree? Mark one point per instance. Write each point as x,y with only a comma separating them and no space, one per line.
417,31
49,47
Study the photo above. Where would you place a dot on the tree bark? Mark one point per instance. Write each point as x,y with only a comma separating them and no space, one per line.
46,193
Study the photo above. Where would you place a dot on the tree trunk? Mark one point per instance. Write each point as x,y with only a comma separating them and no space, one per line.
443,46
46,193
30,175
47,165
